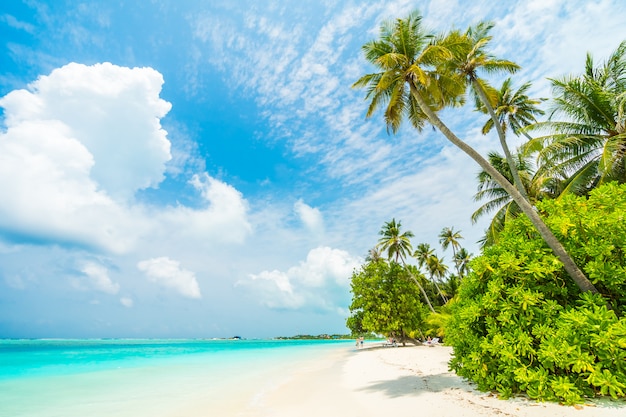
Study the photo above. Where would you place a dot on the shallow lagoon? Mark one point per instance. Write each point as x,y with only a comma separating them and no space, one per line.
125,377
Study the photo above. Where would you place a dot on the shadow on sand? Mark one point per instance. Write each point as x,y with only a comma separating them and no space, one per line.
416,385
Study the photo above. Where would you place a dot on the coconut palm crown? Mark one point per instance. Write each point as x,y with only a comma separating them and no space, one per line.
513,108
587,143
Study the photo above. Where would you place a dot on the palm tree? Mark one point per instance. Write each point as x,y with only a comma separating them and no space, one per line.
373,255
449,238
398,245
406,54
437,270
422,253
425,257
514,109
461,260
589,145
538,187
467,61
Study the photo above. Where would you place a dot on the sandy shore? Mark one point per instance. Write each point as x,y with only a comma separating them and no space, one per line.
390,381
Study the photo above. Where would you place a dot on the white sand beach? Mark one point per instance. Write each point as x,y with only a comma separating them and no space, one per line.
376,381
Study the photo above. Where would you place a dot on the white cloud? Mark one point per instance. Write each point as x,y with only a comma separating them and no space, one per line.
99,277
17,24
274,290
79,143
227,210
168,273
311,217
113,112
126,302
311,283
325,264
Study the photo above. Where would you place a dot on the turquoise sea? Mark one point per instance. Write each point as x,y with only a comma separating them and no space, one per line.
133,377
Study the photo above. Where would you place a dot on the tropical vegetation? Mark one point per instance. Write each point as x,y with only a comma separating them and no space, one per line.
519,325
420,74
404,295
539,311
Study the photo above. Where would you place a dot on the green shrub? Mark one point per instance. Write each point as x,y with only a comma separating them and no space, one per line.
385,301
520,325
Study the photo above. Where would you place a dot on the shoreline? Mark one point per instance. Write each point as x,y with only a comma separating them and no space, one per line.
376,380
306,381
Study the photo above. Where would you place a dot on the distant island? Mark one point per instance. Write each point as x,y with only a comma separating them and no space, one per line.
325,337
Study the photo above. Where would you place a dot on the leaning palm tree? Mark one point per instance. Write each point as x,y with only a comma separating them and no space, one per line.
588,144
449,238
411,83
398,246
473,57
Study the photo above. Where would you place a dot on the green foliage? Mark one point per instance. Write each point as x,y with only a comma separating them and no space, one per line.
520,326
436,323
385,300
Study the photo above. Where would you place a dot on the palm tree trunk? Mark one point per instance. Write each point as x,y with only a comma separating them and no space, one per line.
420,287
512,165
456,265
570,266
443,297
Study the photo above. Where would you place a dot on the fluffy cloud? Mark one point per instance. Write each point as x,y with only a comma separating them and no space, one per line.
325,264
71,153
226,214
102,113
274,290
99,277
168,273
78,145
311,217
311,283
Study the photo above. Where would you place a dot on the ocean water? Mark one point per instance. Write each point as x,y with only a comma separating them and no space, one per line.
132,377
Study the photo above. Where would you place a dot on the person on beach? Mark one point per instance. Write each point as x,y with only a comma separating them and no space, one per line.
362,341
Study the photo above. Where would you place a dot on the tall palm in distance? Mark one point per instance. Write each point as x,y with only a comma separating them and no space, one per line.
424,254
588,144
408,55
437,270
461,261
450,238
398,246
374,255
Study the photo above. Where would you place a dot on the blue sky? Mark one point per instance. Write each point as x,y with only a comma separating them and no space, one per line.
203,168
